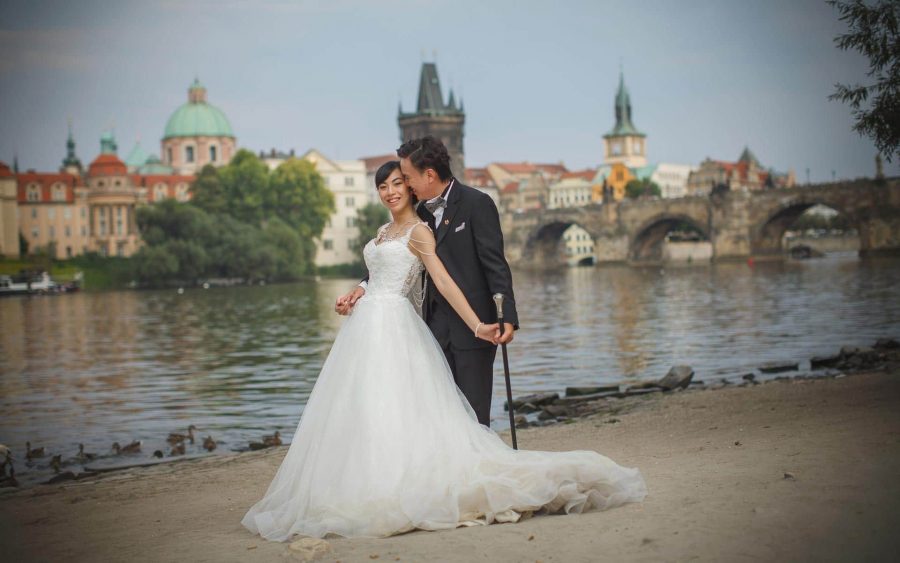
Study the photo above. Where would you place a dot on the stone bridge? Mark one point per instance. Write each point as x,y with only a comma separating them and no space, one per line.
738,225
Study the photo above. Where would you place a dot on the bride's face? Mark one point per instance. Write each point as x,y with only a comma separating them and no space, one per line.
394,192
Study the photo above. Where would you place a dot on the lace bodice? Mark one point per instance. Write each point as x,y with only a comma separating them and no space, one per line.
393,269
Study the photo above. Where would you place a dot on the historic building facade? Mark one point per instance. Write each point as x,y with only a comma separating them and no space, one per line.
445,121
197,134
747,174
9,213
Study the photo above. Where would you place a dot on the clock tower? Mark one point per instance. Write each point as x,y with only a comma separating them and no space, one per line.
625,144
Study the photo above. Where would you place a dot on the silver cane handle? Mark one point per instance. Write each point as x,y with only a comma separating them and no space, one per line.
498,301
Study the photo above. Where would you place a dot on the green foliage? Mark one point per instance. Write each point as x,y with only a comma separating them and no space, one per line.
243,222
298,196
368,219
644,187
873,31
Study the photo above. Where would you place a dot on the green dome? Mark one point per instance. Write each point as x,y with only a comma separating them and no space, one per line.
192,120
197,117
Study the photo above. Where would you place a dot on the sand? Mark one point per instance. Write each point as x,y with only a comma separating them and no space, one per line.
715,462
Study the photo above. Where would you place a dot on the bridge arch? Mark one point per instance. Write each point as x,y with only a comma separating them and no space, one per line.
545,246
766,238
647,243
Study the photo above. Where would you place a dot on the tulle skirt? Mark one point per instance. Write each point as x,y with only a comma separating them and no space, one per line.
387,443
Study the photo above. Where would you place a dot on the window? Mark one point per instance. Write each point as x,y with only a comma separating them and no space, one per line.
52,232
118,183
83,231
59,192
68,252
99,183
68,231
34,193
351,221
83,212
67,213
34,212
348,181
212,153
119,227
181,192
159,192
120,249
169,155
34,232
51,213
327,244
189,154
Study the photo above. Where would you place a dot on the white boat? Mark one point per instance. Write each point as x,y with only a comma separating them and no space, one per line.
40,284
9,287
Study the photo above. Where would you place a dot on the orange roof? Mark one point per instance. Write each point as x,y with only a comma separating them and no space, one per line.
511,188
5,170
529,167
107,165
373,163
586,174
478,176
44,181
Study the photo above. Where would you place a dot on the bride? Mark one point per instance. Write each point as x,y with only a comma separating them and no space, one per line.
387,443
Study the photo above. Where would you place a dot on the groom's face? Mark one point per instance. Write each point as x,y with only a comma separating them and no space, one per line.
423,183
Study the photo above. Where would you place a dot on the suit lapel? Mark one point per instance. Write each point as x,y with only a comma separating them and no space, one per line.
449,212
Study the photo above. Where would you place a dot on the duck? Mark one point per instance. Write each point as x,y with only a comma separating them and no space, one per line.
158,454
273,440
258,446
177,449
59,477
132,448
30,453
175,437
209,443
82,456
56,462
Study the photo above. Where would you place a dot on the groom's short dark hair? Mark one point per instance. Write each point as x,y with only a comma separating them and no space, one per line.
427,152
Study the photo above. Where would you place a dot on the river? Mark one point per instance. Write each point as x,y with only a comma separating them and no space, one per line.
98,367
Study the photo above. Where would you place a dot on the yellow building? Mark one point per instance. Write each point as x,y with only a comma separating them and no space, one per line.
9,215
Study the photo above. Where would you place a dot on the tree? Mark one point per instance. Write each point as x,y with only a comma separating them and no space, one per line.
368,219
245,187
873,31
298,196
208,193
644,187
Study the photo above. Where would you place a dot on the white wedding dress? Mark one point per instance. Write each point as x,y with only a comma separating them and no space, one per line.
387,443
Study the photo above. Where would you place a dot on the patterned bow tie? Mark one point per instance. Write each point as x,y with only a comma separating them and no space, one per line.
437,203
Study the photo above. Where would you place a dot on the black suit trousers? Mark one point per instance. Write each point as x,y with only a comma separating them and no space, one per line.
473,372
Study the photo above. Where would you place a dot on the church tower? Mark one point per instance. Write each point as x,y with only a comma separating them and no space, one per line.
433,117
625,143
71,164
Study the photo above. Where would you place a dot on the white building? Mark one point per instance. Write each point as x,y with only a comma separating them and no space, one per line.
347,181
571,191
579,246
672,179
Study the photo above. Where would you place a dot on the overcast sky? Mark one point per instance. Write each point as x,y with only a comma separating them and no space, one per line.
538,78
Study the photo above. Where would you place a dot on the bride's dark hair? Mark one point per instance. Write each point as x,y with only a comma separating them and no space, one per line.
385,170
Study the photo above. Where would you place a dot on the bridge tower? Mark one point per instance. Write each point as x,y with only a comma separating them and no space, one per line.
434,117
624,143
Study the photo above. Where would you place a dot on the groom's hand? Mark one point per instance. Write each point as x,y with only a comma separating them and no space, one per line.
345,303
508,334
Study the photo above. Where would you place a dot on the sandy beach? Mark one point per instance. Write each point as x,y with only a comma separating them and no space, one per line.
800,470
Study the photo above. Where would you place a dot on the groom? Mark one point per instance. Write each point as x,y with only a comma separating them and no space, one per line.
466,228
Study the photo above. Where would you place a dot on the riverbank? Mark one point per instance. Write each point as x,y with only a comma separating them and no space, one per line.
800,469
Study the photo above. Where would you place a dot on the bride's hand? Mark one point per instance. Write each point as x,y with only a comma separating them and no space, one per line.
490,332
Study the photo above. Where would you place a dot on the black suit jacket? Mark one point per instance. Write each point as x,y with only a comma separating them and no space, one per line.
470,244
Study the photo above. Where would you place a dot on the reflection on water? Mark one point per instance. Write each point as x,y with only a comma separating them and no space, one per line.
240,362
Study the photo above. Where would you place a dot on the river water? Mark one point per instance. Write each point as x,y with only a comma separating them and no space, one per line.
240,362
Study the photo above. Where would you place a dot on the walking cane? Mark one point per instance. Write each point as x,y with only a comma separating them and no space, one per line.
498,300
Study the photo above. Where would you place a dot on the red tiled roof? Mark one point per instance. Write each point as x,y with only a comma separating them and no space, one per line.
478,176
529,167
107,165
511,188
5,170
586,174
45,181
373,163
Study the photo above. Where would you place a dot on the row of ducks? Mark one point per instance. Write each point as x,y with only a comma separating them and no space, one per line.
175,439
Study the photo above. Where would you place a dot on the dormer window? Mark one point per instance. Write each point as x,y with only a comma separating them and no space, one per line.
33,192
59,192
